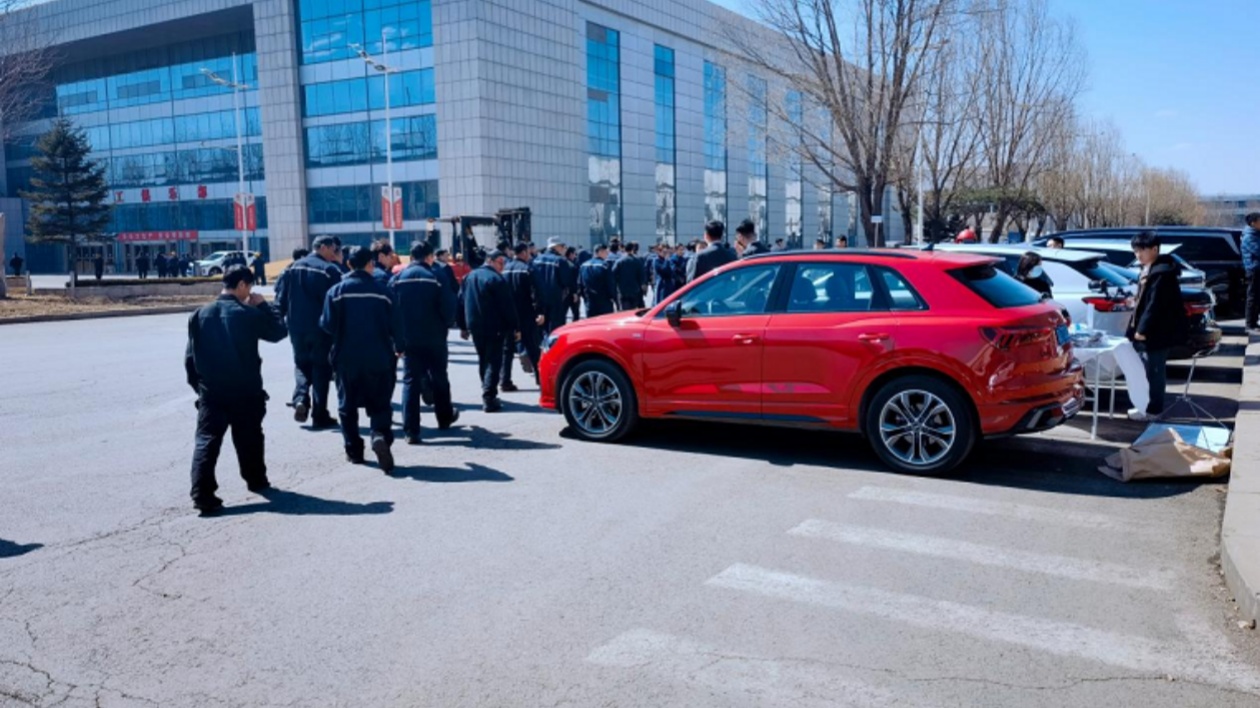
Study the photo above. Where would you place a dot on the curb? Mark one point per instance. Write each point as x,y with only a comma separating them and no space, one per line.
1240,529
171,310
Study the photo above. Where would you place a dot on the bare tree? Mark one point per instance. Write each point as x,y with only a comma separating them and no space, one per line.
863,61
25,61
1033,69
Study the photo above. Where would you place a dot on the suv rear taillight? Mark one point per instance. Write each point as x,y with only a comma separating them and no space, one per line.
1106,304
1194,309
1009,338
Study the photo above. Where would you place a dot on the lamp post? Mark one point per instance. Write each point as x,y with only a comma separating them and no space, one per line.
385,69
236,88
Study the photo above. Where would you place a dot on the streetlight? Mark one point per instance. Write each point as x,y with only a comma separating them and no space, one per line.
236,88
384,68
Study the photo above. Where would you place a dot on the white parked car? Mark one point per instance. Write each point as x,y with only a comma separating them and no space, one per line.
1089,290
213,263
1119,253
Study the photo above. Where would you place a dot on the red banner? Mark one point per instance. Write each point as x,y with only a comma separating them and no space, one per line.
156,236
391,209
244,213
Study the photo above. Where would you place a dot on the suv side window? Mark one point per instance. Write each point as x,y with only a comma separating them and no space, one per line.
831,287
739,291
901,295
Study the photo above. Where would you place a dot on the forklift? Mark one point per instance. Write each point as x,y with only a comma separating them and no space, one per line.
473,236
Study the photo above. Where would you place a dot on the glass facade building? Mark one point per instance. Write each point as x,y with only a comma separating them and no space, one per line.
758,160
714,142
666,145
603,121
603,118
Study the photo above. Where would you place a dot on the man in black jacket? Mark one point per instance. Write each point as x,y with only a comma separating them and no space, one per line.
1159,321
553,284
142,265
427,309
364,324
224,368
300,295
529,314
490,319
715,255
746,236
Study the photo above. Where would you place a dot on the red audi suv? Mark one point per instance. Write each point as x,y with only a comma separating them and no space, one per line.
923,353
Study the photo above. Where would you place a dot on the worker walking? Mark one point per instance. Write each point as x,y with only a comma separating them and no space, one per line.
363,322
300,294
597,284
553,284
223,367
427,308
490,319
529,315
628,275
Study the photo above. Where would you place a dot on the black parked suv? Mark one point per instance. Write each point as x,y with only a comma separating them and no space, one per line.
1216,252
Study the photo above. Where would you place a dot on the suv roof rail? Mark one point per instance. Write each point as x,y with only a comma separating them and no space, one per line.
880,252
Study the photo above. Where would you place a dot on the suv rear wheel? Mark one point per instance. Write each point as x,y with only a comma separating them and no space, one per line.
599,401
920,425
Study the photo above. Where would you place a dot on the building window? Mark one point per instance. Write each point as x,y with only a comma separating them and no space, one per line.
361,203
666,159
758,166
362,143
826,192
603,120
792,187
408,88
201,215
330,27
714,142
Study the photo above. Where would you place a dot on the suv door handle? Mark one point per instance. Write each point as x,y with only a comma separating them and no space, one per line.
872,337
745,339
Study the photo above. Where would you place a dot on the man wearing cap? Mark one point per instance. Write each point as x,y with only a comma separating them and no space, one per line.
746,236
714,255
554,284
364,323
490,320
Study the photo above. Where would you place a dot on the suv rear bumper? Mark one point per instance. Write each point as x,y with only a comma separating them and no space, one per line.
1045,417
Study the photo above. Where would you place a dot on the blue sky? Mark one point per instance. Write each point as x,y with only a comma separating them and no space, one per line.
1179,78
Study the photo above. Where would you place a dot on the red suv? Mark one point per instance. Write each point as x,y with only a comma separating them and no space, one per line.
923,353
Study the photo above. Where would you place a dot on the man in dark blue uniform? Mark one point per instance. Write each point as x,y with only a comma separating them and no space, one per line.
746,236
628,277
300,295
363,321
554,284
427,307
597,284
223,367
529,315
490,319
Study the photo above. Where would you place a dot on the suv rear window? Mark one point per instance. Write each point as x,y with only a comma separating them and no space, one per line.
996,287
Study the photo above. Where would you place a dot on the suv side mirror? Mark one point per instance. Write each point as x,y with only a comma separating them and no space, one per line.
673,313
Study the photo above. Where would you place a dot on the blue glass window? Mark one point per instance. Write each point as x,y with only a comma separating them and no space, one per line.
666,185
330,27
793,187
361,203
758,168
714,142
414,138
409,88
603,119
200,215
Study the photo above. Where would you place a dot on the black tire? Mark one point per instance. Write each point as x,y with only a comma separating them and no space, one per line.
599,401
921,448
216,271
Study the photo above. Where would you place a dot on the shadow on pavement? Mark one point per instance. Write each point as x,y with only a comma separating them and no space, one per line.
478,437
9,549
280,501
451,475
1030,462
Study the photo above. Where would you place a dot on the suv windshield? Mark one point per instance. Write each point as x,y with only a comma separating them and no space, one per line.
996,287
1106,272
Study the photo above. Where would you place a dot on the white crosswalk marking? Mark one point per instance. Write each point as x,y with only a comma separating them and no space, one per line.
1064,566
1024,512
1135,653
775,682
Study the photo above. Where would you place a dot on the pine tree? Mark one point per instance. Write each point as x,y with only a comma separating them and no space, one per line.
68,191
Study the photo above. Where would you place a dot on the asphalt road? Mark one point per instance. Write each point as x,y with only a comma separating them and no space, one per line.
508,565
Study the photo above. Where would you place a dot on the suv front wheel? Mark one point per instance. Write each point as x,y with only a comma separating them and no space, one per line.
599,401
920,425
